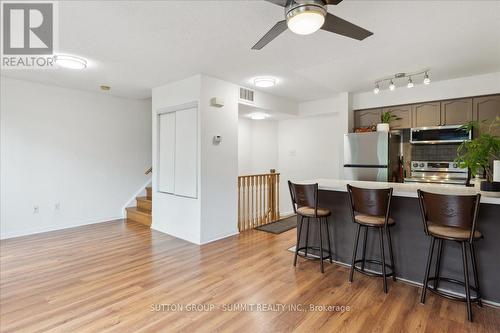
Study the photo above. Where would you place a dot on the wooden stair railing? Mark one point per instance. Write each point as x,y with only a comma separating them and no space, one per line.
258,200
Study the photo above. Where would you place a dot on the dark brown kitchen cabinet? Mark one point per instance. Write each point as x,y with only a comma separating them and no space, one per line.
403,112
485,109
456,111
366,118
426,114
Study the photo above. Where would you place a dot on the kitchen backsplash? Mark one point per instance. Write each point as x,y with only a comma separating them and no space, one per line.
434,152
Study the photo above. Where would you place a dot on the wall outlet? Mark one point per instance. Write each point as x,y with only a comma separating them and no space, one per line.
57,206
36,209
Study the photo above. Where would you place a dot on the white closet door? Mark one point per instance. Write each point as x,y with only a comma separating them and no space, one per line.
166,150
186,153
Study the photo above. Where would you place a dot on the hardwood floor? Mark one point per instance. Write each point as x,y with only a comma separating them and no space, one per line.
107,277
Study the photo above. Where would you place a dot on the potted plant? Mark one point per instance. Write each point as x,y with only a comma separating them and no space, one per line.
385,120
479,154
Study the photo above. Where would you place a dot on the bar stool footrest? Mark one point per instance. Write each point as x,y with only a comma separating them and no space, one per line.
451,296
375,262
315,257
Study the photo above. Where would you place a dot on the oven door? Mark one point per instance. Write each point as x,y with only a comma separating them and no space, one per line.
439,134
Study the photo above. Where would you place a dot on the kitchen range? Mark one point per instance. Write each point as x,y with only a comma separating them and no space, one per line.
437,172
380,156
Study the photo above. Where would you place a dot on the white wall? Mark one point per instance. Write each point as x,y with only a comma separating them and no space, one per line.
219,163
257,146
86,151
311,145
461,87
308,149
177,216
213,214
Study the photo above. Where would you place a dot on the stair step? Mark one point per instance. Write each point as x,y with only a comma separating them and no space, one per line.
139,215
149,193
144,203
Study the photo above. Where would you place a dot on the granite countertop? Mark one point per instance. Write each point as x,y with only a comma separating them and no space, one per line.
401,189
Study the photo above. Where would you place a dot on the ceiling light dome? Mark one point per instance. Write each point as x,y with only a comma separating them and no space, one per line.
71,62
258,115
264,82
305,19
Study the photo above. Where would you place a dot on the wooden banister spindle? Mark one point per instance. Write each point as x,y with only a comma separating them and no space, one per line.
258,200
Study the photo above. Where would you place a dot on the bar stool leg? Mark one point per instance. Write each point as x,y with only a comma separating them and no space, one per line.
298,241
466,278
391,254
363,256
307,236
437,269
474,267
427,270
328,238
382,253
321,248
354,251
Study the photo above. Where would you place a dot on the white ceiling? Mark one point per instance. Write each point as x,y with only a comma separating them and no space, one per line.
136,45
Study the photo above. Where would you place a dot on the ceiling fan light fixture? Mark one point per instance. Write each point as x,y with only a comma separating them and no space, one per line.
376,90
306,19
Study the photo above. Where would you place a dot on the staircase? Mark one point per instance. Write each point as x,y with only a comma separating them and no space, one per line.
142,212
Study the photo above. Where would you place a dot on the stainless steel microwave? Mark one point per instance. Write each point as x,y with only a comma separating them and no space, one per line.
439,135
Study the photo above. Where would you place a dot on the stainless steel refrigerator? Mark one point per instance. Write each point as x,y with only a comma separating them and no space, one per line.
374,156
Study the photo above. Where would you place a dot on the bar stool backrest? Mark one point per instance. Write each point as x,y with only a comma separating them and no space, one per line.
458,211
304,195
373,202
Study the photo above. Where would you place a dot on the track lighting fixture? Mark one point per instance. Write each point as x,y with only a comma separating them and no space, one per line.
427,80
392,86
410,83
397,76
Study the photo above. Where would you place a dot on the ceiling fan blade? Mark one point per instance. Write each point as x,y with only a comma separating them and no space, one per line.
332,2
281,3
275,31
342,27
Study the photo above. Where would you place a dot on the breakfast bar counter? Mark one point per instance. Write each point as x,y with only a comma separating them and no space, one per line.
410,243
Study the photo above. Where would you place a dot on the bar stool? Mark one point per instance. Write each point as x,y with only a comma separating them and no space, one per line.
305,205
370,208
451,218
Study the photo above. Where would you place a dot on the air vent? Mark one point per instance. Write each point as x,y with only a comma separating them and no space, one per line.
246,95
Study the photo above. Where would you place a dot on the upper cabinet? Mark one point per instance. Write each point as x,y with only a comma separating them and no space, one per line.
403,112
438,113
427,114
456,112
366,118
486,109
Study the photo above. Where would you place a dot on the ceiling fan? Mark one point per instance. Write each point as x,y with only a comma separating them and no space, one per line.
307,16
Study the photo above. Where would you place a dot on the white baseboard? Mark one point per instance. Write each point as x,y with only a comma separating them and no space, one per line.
220,238
33,231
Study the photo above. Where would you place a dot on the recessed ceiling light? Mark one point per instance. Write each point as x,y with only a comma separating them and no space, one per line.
72,62
264,82
105,88
258,115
